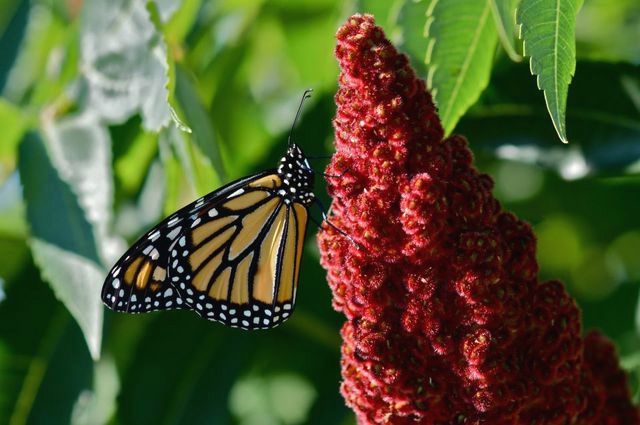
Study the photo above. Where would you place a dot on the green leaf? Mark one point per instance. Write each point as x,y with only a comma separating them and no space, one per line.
158,15
547,28
412,21
511,121
63,241
98,405
179,25
462,40
385,12
127,74
13,227
77,282
131,167
43,34
44,362
198,368
504,13
174,179
13,23
196,115
79,147
13,126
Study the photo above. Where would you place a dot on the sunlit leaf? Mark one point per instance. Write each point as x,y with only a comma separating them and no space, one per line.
124,62
63,241
462,39
98,405
13,125
158,16
413,24
547,28
80,150
283,399
504,13
76,281
179,25
385,12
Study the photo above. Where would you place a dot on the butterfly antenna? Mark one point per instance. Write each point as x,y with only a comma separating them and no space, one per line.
305,95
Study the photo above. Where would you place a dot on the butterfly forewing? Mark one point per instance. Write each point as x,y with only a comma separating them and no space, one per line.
238,263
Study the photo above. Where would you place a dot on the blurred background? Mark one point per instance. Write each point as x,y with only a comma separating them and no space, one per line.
115,113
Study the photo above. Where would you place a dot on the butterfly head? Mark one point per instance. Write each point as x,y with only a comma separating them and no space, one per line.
296,175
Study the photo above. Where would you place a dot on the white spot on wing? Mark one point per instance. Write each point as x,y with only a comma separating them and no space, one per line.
174,233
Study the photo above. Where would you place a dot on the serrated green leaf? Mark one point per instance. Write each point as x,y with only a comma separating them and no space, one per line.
79,147
125,63
512,122
76,281
158,15
63,241
547,28
462,40
504,13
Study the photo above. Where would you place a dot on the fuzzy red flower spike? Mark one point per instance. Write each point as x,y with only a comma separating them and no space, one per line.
447,322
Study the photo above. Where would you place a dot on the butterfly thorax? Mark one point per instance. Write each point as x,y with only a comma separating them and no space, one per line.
297,177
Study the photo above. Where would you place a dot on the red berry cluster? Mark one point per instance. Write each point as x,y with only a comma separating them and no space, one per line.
446,320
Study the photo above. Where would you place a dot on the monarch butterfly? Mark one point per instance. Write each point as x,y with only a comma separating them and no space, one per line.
232,256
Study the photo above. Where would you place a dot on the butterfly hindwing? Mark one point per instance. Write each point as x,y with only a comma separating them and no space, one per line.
238,262
138,283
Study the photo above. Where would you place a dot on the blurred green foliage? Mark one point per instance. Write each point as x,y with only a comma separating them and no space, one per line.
116,113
